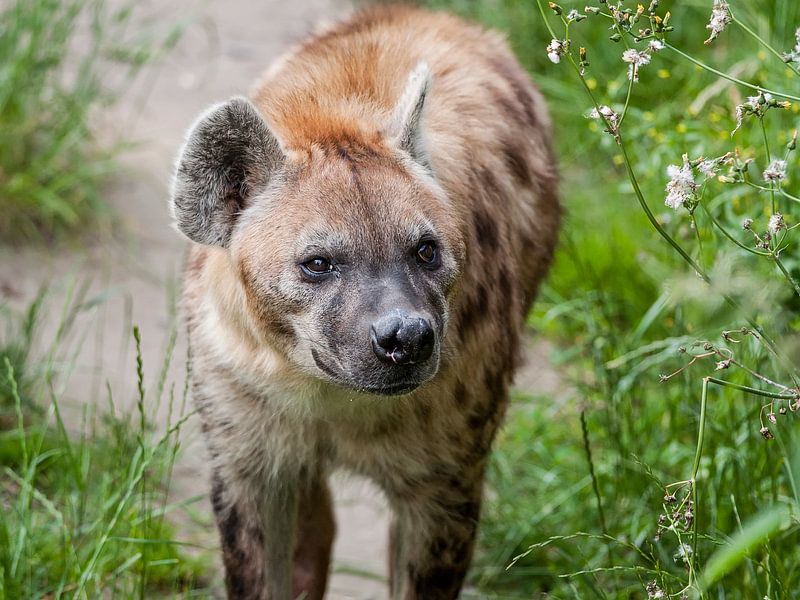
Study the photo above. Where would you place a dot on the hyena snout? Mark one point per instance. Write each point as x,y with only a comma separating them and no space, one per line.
402,339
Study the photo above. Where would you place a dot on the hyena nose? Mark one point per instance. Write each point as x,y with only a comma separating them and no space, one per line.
402,340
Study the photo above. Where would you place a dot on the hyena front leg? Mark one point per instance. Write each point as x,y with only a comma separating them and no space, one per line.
256,528
316,529
431,545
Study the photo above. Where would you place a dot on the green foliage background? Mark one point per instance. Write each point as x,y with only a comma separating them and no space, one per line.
577,480
619,304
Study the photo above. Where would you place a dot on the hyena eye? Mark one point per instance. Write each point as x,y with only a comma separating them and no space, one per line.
317,267
428,254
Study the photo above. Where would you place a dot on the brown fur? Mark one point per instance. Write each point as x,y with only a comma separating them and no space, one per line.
276,425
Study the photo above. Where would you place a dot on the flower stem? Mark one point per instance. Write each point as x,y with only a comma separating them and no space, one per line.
786,274
728,235
718,73
701,430
752,390
769,160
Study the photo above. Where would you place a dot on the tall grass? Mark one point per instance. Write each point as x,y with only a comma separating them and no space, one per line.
84,507
61,61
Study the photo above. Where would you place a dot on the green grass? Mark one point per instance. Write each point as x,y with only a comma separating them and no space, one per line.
63,60
577,484
85,511
619,305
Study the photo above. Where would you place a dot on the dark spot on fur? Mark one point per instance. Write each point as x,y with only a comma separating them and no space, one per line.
474,308
520,86
514,157
439,545
482,297
422,410
229,526
241,547
460,391
216,493
492,187
504,283
468,511
485,229
437,582
476,421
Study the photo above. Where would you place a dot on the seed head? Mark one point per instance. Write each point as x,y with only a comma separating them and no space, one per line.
681,185
607,113
776,223
653,591
720,17
708,168
574,15
683,553
556,49
635,59
794,54
776,171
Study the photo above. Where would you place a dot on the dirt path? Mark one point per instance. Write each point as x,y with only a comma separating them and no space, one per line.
224,49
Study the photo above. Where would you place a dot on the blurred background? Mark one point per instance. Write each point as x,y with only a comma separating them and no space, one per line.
102,469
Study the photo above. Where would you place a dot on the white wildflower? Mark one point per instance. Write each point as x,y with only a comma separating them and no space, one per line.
708,168
740,108
556,49
776,223
605,111
681,185
655,45
794,54
720,17
574,15
611,117
755,102
654,592
635,59
776,171
683,553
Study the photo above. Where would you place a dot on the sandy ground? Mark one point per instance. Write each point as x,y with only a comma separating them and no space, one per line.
225,47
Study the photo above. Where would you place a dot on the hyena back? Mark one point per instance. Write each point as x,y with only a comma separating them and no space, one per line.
370,229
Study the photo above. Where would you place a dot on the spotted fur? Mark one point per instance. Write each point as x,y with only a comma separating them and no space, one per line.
396,126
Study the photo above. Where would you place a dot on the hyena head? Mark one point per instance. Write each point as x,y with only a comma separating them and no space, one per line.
347,250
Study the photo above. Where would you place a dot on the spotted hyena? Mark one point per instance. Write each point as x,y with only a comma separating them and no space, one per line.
369,230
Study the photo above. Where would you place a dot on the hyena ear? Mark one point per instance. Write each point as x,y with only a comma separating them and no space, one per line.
229,155
405,127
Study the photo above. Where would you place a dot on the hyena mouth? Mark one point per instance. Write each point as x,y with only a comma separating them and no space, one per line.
384,389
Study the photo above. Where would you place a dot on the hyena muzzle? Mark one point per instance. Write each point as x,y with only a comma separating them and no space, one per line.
369,230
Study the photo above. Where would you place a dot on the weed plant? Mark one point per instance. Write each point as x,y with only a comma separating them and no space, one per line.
668,467
85,511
